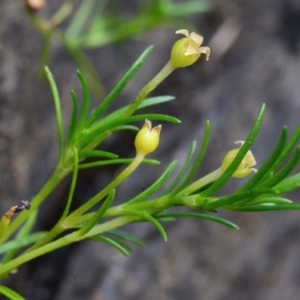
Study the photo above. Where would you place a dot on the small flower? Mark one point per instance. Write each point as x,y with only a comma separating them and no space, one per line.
147,139
245,167
186,51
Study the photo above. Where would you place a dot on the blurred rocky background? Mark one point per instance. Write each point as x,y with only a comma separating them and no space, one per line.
255,59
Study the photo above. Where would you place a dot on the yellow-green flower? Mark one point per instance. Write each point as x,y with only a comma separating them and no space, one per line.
147,139
245,167
187,51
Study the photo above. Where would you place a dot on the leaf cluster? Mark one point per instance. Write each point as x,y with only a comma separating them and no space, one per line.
99,220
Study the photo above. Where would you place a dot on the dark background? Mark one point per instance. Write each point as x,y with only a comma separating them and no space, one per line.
255,59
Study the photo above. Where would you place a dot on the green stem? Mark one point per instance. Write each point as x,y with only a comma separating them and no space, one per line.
151,85
47,29
72,219
58,228
52,183
150,207
64,241
63,12
209,178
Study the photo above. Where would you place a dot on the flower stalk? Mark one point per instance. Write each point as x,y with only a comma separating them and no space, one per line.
184,53
146,141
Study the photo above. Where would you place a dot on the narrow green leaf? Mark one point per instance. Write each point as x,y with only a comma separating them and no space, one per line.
73,118
103,126
125,236
156,185
45,53
99,214
120,241
79,20
267,208
237,199
198,216
21,242
85,103
58,113
73,183
23,233
187,8
158,100
115,162
10,294
268,166
239,157
119,87
282,173
149,218
96,131
146,103
274,200
29,224
97,153
289,184
112,243
293,142
126,127
199,159
183,170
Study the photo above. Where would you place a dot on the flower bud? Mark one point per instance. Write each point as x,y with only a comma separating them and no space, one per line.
36,4
147,139
245,167
187,51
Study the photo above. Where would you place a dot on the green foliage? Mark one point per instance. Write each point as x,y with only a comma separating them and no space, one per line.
98,23
107,25
9,293
87,131
98,218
